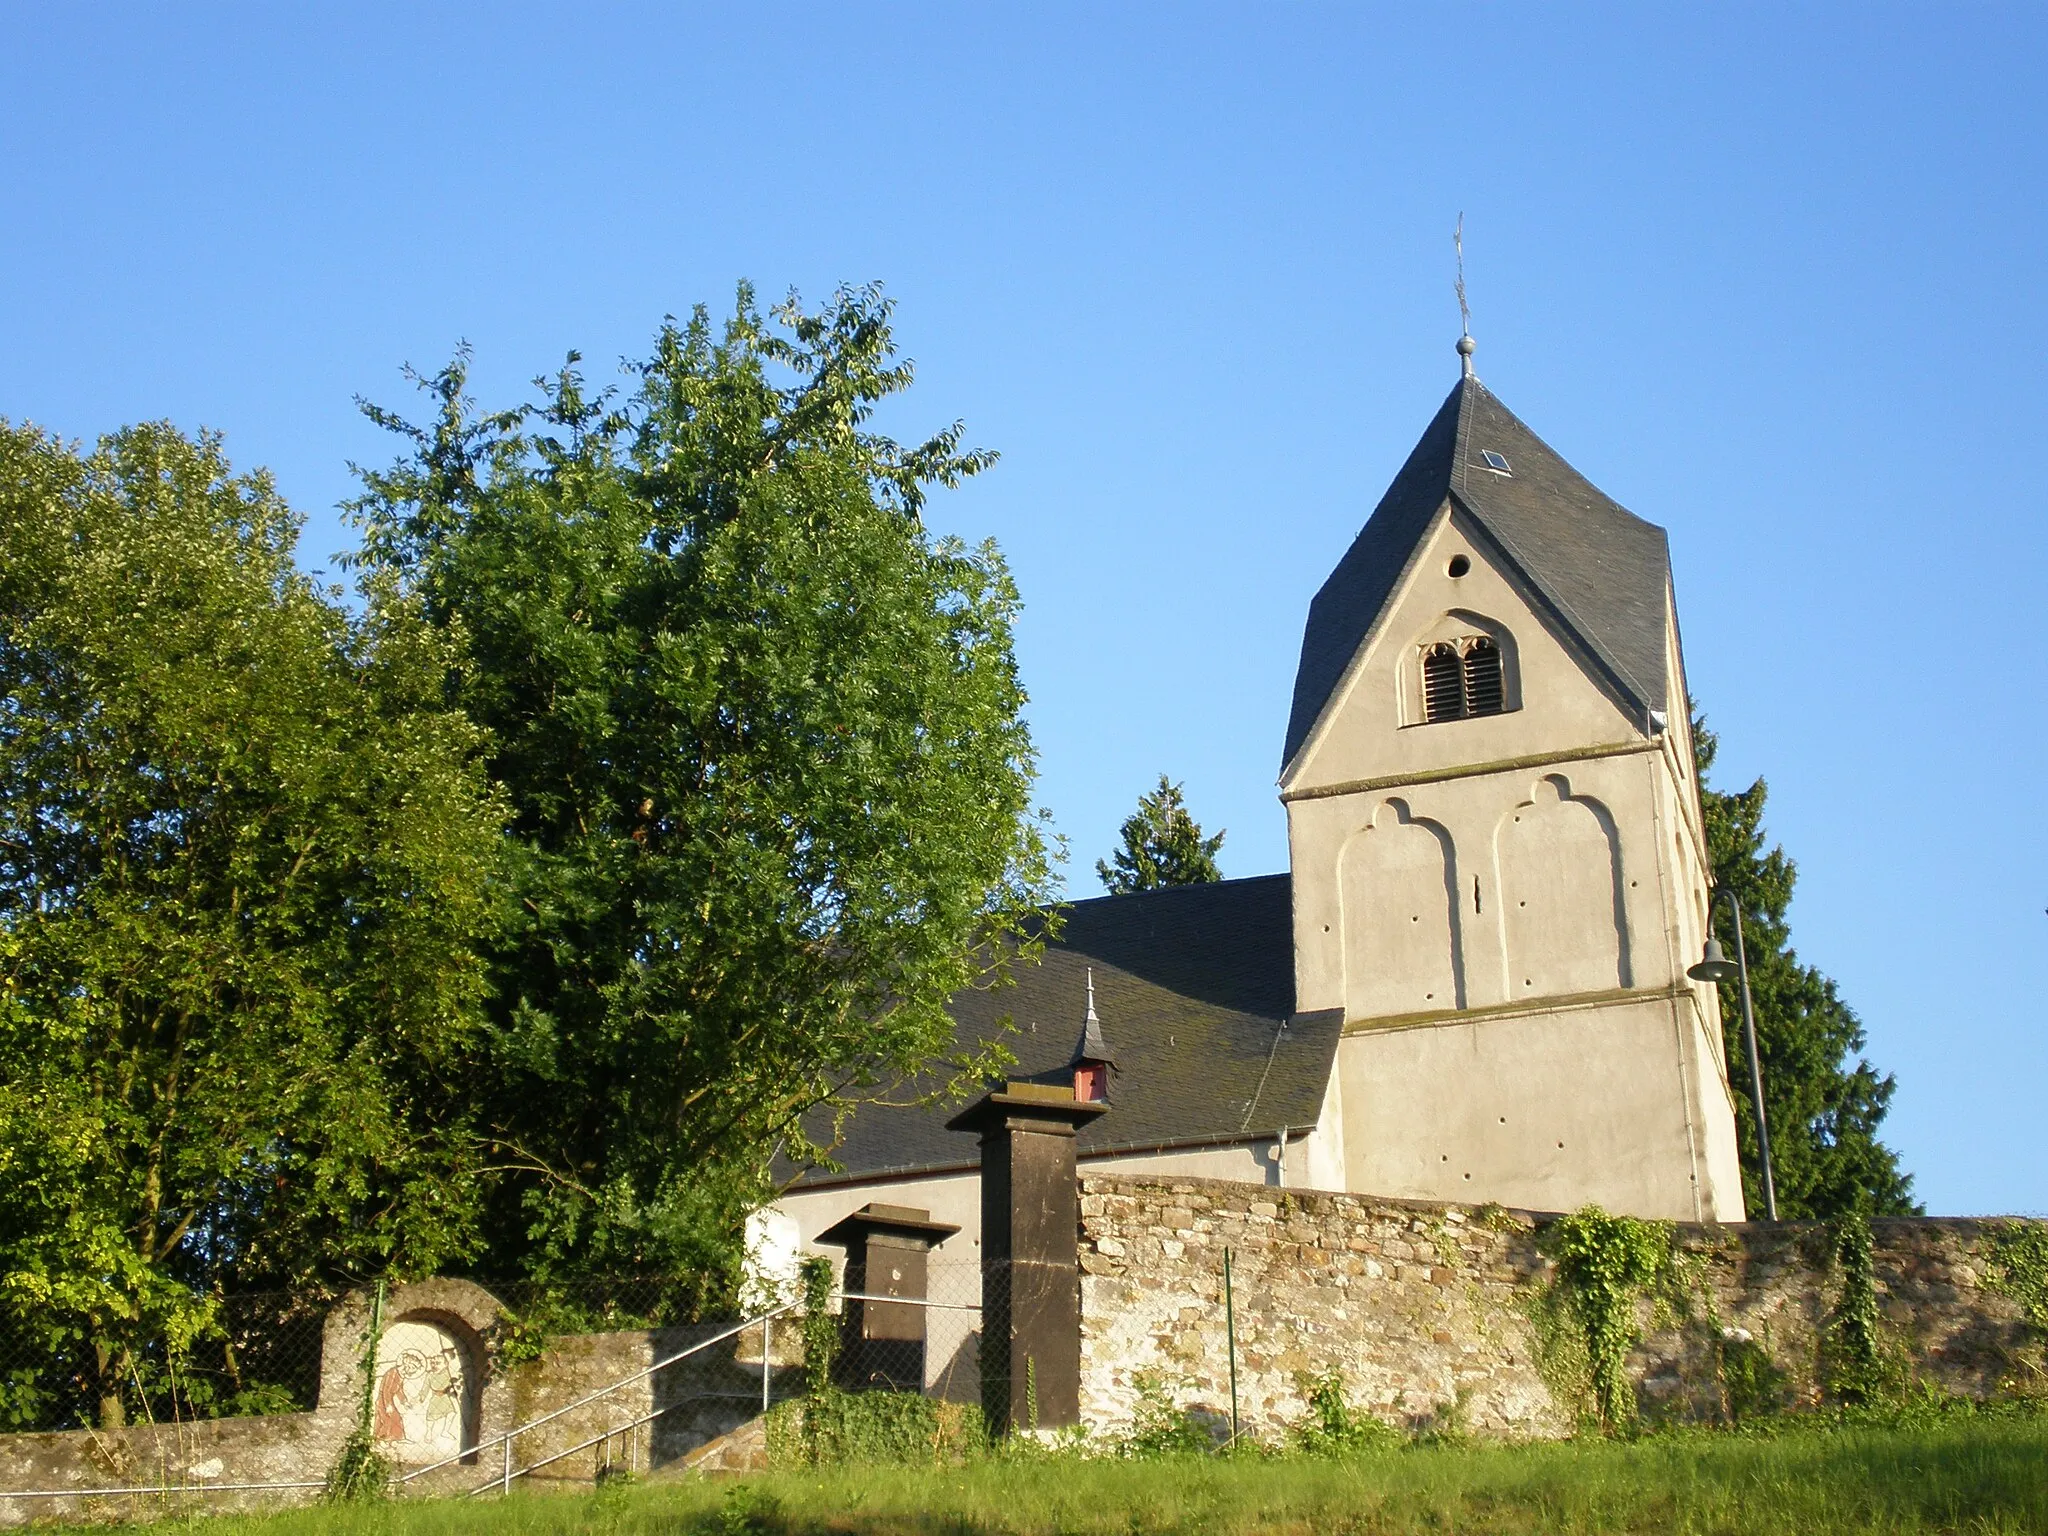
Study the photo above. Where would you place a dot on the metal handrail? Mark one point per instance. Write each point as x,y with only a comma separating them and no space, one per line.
509,1474
597,1439
506,1437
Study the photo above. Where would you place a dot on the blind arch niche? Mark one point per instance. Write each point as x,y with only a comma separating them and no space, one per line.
1403,932
1563,916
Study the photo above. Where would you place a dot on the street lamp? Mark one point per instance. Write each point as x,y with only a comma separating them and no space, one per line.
1715,966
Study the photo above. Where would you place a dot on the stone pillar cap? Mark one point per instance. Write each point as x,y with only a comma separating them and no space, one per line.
906,1220
1027,1101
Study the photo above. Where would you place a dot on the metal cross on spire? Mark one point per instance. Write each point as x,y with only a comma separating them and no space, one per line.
1466,345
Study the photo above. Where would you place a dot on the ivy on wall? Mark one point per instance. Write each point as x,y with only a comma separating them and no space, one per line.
2017,1268
1605,1265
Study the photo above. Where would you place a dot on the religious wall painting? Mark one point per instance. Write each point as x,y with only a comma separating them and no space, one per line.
422,1401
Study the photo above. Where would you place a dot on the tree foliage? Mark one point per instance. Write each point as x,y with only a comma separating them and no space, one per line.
1824,1101
245,852
1162,845
761,736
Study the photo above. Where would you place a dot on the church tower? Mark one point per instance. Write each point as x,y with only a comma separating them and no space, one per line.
1499,866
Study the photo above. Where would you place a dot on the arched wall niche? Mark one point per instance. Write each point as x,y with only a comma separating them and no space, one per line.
1403,943
431,1371
1455,625
1564,923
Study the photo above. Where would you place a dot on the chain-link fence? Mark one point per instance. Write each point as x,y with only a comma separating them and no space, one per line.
927,1343
260,1353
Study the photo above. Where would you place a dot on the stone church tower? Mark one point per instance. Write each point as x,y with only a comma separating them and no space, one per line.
1499,873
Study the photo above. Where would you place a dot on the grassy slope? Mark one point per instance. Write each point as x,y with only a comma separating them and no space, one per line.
1976,1477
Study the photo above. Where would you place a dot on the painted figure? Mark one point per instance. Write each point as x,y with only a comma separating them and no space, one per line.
420,1393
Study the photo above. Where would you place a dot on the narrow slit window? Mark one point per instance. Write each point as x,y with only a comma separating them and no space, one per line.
1443,684
1485,692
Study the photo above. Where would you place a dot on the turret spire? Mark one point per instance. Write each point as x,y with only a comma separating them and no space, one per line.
1092,1061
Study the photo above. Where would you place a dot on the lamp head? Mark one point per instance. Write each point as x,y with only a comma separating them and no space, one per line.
1714,965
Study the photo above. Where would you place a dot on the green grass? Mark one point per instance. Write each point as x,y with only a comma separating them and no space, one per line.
1975,1476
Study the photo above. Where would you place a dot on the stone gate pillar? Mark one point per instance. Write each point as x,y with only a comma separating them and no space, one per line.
1030,1274
882,1343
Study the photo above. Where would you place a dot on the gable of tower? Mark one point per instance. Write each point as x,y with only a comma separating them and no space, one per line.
1597,575
1465,665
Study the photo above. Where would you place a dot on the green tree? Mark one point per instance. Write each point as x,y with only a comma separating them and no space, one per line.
1163,845
1824,1101
762,737
245,851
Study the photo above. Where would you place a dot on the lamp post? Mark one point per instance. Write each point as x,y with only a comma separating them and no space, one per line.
1715,966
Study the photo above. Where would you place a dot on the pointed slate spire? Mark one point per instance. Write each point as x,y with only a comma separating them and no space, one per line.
1602,571
1092,1063
1091,1047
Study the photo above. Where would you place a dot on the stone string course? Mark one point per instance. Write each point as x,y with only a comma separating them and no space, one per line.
1426,1310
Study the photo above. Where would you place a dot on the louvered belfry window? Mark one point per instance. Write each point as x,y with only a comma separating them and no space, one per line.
1485,692
1462,679
1443,684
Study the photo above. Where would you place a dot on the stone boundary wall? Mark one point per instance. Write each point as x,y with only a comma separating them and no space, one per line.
1427,1310
707,1398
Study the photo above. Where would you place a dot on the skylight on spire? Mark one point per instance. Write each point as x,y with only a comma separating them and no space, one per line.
1497,462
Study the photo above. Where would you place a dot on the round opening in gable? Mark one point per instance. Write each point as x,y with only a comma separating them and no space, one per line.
1459,565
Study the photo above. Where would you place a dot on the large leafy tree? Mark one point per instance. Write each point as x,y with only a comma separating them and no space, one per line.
245,852
761,735
1162,845
1824,1101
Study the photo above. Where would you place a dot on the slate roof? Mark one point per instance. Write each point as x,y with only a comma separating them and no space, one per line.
1603,571
1194,986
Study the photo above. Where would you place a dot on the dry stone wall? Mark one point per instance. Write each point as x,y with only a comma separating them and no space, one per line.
1436,1314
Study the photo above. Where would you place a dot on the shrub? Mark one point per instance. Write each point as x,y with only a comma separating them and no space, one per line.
359,1473
1159,1428
834,1428
1331,1427
1752,1385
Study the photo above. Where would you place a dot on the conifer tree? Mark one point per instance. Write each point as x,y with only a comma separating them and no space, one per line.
1824,1100
1163,845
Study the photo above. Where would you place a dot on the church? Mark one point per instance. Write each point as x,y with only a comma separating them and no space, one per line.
1470,985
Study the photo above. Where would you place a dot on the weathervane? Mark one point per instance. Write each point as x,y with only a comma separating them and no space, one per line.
1466,345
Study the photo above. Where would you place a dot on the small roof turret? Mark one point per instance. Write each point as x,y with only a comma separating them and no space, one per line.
1091,1049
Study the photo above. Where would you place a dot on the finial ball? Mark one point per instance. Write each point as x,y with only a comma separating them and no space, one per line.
1467,346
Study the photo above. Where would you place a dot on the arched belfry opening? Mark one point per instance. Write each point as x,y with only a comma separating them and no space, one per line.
1463,668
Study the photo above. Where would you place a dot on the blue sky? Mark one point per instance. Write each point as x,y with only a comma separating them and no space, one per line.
1771,276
